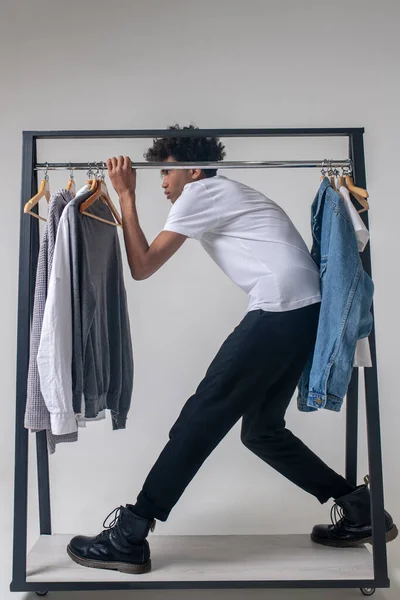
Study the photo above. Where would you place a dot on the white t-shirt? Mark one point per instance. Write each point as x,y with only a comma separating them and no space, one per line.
362,233
251,239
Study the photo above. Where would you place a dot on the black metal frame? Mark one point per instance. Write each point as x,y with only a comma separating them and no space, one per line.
29,248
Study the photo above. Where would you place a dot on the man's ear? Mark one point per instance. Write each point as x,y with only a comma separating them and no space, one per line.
196,174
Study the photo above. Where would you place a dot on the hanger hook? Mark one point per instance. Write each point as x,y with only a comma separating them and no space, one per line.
71,172
347,170
323,170
46,176
90,172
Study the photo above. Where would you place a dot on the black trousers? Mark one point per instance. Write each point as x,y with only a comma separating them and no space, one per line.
254,376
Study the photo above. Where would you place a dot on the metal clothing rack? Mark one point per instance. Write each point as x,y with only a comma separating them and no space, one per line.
29,247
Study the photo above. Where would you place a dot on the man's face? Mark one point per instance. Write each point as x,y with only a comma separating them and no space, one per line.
174,180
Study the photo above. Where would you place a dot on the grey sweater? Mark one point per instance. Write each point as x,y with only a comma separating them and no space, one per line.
102,358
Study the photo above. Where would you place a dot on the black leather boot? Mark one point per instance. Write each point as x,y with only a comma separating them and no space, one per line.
121,546
351,522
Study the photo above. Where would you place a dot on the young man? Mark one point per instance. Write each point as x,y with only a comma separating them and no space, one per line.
255,372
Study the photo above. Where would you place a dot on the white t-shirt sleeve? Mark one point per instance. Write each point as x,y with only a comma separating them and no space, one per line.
54,356
194,213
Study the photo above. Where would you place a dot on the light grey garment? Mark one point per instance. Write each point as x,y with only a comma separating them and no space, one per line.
37,417
102,357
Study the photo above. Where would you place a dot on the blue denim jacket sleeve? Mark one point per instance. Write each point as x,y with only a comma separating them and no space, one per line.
345,315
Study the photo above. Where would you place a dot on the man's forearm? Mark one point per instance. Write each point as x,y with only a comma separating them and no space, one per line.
135,241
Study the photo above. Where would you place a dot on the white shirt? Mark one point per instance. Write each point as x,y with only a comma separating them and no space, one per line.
54,356
362,356
251,239
362,233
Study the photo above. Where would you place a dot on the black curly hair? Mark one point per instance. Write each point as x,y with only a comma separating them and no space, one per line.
186,149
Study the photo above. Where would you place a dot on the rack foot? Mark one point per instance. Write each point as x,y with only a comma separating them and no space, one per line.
367,591
41,593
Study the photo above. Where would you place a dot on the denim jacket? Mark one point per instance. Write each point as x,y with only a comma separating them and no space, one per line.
345,314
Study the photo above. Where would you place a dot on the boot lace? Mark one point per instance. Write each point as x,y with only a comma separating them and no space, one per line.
113,523
337,516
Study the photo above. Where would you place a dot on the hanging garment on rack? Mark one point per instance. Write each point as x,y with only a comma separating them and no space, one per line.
251,239
362,233
87,263
37,417
362,356
345,315
81,419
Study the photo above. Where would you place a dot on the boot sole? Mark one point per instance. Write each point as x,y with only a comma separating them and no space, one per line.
112,566
390,536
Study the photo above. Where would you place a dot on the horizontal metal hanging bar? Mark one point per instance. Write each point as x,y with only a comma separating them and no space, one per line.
196,133
239,164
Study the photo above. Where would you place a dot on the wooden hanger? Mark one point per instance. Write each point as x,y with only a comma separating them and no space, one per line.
100,193
353,188
92,179
360,199
71,187
44,192
358,193
337,179
332,181
331,176
93,183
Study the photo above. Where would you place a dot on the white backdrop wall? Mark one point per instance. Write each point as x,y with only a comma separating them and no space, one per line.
121,65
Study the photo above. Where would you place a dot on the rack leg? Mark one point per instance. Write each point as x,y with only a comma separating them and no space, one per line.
28,252
43,483
372,401
352,429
